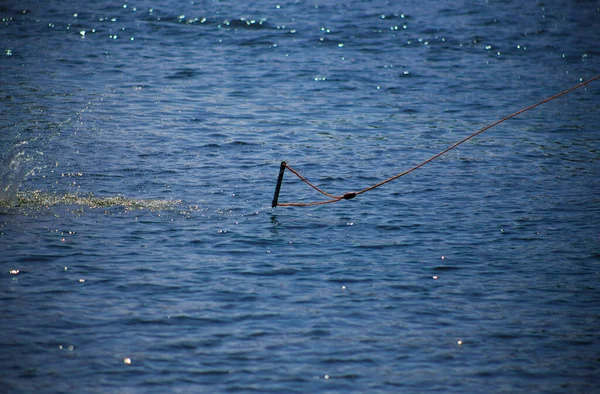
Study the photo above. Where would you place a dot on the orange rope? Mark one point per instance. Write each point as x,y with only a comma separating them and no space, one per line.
351,195
310,184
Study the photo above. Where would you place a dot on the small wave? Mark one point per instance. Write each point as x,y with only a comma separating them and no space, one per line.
240,143
445,268
228,23
244,23
185,73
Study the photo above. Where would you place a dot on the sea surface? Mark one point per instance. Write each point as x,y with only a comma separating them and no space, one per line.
140,144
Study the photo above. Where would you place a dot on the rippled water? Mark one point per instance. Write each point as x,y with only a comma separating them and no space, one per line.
140,145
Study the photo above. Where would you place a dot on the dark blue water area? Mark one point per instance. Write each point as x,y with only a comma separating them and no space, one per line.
140,146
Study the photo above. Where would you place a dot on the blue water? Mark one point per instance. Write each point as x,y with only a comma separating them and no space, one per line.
140,145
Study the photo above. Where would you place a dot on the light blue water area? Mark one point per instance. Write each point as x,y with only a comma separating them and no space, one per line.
140,146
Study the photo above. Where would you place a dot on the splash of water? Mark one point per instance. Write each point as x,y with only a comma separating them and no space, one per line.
13,170
39,199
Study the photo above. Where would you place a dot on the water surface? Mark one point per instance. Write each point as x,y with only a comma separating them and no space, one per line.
140,144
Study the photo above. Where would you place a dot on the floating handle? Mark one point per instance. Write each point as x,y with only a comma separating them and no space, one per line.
278,187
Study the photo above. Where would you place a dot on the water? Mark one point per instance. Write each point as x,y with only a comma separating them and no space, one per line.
141,143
